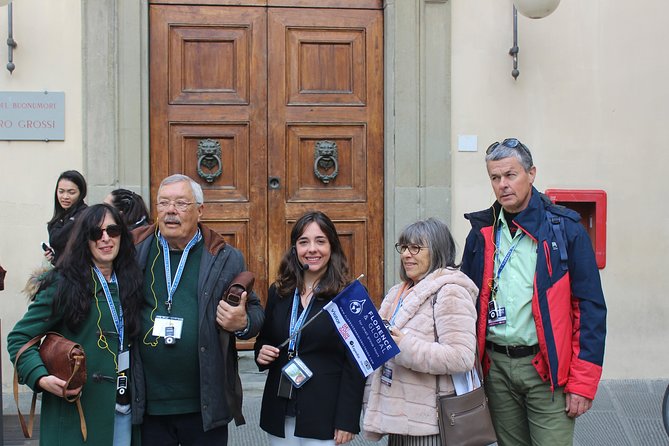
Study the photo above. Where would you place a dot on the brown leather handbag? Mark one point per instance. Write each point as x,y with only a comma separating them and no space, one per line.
465,420
242,282
63,359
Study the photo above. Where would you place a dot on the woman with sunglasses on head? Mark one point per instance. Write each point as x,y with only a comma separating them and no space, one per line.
93,298
432,319
131,206
68,204
319,397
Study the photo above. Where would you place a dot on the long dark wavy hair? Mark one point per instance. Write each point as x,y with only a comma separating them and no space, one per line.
58,211
76,285
132,208
291,275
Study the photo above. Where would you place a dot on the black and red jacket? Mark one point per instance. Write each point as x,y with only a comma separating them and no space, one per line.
567,304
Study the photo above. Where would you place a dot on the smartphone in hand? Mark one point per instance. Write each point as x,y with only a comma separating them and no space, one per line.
47,248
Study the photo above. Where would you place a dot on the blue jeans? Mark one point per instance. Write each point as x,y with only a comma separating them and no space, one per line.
122,426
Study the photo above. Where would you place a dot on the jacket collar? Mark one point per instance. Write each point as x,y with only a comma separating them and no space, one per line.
213,241
530,219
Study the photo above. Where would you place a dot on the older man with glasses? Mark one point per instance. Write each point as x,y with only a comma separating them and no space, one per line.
185,379
542,315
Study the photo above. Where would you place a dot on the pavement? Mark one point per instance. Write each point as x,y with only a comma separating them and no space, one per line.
626,412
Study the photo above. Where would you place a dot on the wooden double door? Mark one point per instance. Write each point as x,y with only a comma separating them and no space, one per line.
275,108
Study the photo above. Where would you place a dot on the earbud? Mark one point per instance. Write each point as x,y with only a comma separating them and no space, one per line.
304,266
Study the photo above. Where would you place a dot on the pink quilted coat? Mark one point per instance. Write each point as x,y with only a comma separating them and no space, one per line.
408,405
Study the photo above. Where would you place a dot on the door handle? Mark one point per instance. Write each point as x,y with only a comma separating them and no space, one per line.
274,183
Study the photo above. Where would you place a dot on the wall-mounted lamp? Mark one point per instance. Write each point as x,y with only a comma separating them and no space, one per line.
11,43
534,9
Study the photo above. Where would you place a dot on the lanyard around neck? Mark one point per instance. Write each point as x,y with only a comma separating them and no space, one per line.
503,263
117,317
296,323
172,286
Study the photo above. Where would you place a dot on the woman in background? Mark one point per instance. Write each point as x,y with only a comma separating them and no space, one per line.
68,203
131,206
92,297
324,408
400,397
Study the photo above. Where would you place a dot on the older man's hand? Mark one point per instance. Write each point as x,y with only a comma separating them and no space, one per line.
232,318
577,405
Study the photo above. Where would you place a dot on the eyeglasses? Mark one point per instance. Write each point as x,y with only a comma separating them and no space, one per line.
511,143
112,231
180,205
413,249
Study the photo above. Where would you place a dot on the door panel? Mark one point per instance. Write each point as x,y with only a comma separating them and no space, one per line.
354,4
209,116
350,183
325,129
318,131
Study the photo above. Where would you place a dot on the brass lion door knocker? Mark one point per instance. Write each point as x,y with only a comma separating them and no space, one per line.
325,158
209,156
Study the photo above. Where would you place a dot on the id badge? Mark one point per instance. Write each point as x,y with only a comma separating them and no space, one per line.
162,322
123,361
496,314
386,375
297,372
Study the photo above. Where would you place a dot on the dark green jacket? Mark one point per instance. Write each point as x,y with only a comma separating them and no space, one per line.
59,421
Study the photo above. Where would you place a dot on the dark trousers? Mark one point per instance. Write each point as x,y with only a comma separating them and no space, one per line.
182,429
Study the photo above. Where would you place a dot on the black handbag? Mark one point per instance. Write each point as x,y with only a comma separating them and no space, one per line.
464,420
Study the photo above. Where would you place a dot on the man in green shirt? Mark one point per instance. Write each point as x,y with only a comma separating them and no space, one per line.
185,379
542,316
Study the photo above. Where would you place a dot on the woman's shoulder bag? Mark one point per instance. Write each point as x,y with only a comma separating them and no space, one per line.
63,359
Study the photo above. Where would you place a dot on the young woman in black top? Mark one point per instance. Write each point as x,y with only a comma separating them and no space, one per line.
323,408
68,203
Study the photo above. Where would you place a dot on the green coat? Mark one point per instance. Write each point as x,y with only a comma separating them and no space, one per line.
60,419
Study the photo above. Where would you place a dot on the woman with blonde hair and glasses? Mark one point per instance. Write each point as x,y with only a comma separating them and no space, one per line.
433,296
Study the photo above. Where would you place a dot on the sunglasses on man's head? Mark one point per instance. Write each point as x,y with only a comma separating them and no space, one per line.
511,143
96,233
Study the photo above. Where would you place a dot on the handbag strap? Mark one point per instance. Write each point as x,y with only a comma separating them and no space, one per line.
27,428
82,420
477,362
78,359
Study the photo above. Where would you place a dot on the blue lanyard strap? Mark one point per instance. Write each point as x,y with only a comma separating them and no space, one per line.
172,286
117,317
502,264
296,323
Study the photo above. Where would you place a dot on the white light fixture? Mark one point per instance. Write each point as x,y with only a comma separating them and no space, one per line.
534,9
